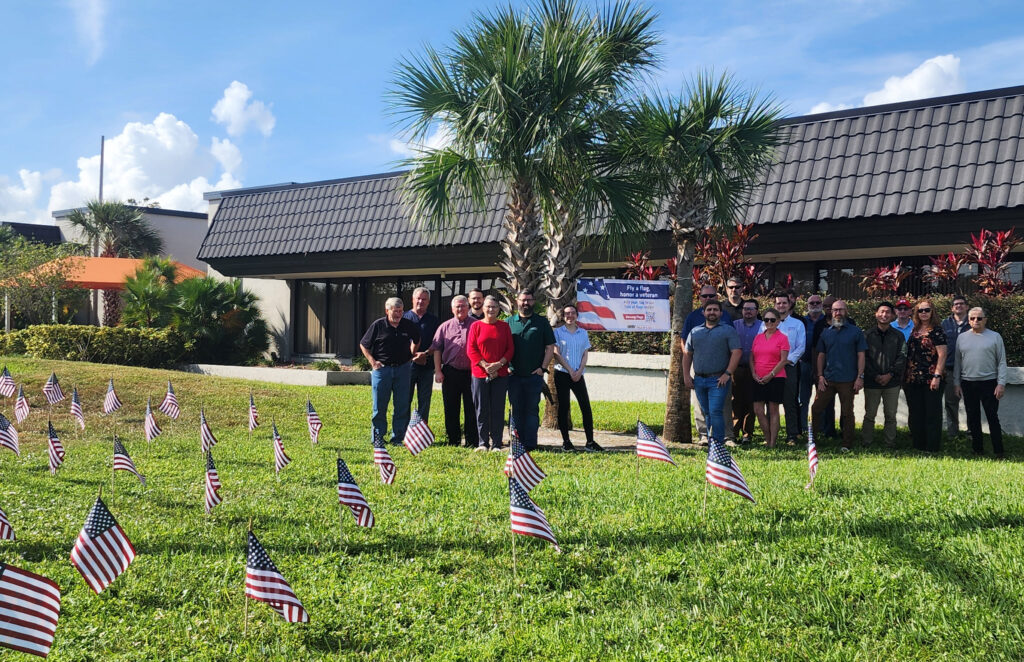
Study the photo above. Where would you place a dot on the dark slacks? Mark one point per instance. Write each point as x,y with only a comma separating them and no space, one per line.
421,386
977,395
824,399
791,401
743,417
924,416
563,386
457,395
489,399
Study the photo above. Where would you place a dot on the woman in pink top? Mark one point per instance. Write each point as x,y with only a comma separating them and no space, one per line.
490,348
767,366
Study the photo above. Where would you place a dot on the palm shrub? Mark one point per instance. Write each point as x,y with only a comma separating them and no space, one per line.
222,320
149,294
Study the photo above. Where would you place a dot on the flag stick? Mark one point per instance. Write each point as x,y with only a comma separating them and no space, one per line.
245,613
515,568
341,512
704,508
308,402
248,413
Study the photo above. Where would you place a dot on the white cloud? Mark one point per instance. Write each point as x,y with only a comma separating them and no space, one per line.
18,199
235,111
441,137
934,77
227,154
89,20
826,107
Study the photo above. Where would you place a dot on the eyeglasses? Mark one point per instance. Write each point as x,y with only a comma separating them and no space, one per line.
732,287
813,303
750,310
976,319
707,296
770,320
924,310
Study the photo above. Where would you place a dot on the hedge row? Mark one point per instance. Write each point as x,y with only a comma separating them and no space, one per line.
1005,315
151,348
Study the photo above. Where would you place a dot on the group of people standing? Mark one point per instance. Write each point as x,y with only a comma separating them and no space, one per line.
479,360
746,363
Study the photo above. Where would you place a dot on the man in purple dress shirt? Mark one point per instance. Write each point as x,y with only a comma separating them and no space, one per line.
452,370
748,326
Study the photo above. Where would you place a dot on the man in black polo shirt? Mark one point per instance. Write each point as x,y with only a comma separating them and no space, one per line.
388,345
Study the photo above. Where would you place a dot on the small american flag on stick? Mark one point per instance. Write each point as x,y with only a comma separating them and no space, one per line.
212,484
52,390
382,458
206,438
111,402
520,465
7,385
722,471
527,518
102,551
418,435
152,429
76,408
650,446
254,415
281,460
56,449
812,456
8,435
21,405
350,495
313,421
6,530
265,583
29,608
169,406
123,462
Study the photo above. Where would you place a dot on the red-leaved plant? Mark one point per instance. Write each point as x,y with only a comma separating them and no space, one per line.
945,268
638,267
723,255
884,280
990,251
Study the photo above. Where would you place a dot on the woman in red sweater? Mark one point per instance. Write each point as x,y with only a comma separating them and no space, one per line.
490,348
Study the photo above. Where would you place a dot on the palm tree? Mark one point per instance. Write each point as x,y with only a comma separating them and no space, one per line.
513,93
114,229
222,319
149,294
703,153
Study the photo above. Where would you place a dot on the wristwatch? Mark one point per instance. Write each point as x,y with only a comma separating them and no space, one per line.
860,376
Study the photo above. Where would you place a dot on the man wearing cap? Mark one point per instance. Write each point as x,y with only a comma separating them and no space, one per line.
903,321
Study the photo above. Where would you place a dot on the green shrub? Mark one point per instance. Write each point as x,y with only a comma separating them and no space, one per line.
325,364
12,343
151,348
360,362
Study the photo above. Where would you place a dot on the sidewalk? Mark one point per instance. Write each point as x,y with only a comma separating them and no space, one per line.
612,441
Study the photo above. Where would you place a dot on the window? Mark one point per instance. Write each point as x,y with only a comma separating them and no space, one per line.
311,317
342,327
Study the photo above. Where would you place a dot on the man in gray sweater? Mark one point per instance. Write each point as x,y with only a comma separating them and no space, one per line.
979,373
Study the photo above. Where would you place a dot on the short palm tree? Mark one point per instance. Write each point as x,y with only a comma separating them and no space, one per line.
703,153
149,294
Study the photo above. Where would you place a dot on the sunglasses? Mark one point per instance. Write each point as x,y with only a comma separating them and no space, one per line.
732,287
976,319
924,310
707,296
770,320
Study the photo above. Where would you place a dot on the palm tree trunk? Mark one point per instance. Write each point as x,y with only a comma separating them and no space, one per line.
563,263
522,247
112,305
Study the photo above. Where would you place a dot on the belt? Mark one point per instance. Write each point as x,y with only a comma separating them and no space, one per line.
709,374
393,364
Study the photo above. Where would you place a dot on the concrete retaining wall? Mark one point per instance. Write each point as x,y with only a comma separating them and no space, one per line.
282,375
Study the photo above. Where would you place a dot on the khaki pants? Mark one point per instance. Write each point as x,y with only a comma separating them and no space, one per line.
890,400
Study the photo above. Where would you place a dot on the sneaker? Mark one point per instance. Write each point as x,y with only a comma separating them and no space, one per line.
481,448
568,447
747,439
845,449
703,441
496,448
730,443
592,447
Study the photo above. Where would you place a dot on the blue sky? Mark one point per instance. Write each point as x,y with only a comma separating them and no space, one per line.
195,96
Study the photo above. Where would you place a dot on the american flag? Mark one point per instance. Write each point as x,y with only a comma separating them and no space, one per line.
254,416
812,455
52,390
102,551
265,583
6,530
123,462
591,297
280,459
7,386
313,421
206,438
527,517
212,484
8,435
722,471
382,458
56,450
21,405
418,435
350,495
170,404
152,429
520,465
29,607
111,402
649,445
76,408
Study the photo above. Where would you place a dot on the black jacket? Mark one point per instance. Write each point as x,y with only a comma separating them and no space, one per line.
886,355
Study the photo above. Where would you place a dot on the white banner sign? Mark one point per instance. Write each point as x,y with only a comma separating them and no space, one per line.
623,305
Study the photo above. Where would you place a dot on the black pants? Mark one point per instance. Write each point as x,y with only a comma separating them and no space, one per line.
457,394
563,385
977,395
791,401
924,415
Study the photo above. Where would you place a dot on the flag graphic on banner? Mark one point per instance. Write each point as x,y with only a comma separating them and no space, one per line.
592,298
519,464
526,516
212,484
265,583
206,438
281,460
111,402
52,390
152,429
418,435
6,530
8,435
382,458
56,449
649,445
170,404
29,608
313,421
254,416
722,471
350,495
7,385
102,551
76,408
21,405
122,461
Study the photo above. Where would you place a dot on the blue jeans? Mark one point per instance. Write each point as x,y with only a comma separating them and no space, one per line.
524,397
711,398
391,383
421,380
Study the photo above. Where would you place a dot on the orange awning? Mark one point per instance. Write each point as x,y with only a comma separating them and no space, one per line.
109,273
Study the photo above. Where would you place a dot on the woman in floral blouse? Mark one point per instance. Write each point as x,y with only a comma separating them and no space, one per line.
924,383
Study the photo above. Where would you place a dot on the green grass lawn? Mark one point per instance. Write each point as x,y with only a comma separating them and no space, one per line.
891,556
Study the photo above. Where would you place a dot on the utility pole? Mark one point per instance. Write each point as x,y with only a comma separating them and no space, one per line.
102,141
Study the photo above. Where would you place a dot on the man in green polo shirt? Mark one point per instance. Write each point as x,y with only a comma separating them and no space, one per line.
534,343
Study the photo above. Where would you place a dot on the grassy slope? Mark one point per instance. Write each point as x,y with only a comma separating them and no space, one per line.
888,558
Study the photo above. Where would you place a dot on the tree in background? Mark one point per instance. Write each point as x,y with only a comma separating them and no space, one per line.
222,319
150,293
34,279
114,229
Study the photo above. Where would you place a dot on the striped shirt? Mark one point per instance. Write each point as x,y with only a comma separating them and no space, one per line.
571,347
